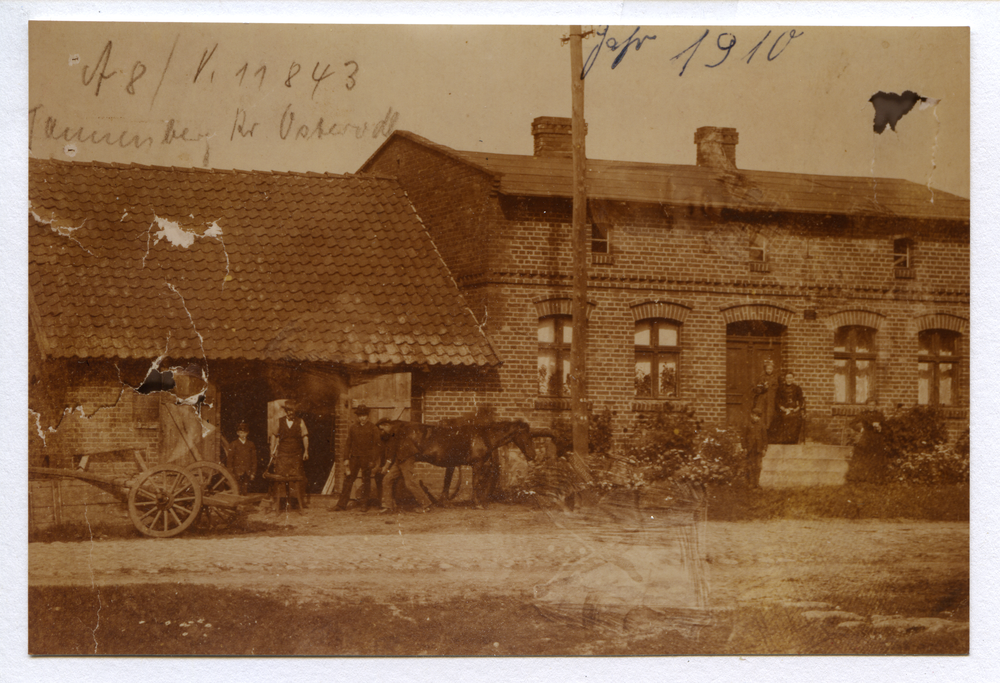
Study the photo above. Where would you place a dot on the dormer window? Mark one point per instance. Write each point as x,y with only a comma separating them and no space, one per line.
902,257
758,253
600,244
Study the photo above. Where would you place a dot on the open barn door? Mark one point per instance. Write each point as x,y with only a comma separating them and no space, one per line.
388,397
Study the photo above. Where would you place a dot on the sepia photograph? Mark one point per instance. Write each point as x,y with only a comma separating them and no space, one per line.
479,341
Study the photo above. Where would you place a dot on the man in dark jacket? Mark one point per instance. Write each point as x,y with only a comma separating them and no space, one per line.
364,455
242,458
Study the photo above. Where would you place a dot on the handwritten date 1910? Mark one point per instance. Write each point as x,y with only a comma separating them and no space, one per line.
777,47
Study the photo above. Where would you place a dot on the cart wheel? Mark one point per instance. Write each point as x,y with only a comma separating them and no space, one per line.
164,501
214,478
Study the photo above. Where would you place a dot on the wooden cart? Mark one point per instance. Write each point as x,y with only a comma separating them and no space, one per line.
165,500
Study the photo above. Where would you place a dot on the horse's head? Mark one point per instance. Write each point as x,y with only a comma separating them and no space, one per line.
522,438
388,428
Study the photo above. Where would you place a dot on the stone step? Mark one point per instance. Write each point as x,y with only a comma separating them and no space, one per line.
777,480
806,464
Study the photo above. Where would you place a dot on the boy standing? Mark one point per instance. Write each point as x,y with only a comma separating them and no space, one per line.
243,458
756,446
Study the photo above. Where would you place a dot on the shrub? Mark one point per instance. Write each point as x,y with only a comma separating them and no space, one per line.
909,446
671,445
600,434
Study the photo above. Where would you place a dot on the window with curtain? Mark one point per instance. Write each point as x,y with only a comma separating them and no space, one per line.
854,364
937,367
657,358
555,339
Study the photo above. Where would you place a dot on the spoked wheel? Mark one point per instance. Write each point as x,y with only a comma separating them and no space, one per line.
164,501
214,478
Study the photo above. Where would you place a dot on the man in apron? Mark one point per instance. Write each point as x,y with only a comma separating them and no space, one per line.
289,449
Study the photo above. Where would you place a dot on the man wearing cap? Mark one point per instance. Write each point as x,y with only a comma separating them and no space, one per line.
242,457
364,454
289,449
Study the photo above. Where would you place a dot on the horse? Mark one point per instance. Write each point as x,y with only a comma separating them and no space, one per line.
457,443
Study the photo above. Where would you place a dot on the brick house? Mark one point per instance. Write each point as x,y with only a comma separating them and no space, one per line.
156,291
697,273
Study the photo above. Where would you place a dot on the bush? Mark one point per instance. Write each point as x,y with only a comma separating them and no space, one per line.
600,434
909,446
671,445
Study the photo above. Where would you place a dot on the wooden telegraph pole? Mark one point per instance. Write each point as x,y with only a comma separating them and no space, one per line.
581,240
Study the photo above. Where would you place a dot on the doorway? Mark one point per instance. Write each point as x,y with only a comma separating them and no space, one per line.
748,344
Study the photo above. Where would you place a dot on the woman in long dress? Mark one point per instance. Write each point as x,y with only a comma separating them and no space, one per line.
789,413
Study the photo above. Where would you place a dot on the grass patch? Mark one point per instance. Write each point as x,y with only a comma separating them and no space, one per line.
158,619
940,503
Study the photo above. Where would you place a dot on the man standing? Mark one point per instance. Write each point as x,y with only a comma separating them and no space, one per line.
401,461
762,395
364,454
243,458
289,449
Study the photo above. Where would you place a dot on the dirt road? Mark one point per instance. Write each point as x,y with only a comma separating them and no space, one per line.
507,550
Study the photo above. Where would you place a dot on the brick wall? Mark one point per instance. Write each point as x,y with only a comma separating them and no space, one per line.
519,254
453,197
105,417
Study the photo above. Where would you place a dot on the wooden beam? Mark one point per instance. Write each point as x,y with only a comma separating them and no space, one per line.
581,241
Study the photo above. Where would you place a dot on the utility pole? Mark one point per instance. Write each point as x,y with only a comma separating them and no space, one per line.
581,240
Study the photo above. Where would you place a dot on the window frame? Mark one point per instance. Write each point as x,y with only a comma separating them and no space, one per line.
600,234
757,242
562,353
902,252
935,359
852,356
657,354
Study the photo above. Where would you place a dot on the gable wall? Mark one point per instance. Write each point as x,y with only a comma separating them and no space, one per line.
452,200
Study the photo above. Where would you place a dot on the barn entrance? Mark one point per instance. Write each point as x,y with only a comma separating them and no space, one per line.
748,344
320,426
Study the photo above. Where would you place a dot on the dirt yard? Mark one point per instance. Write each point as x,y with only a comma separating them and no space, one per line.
828,577
503,550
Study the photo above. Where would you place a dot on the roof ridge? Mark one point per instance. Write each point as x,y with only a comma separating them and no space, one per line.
433,146
197,169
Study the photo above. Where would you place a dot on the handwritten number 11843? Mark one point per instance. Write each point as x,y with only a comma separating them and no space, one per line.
726,45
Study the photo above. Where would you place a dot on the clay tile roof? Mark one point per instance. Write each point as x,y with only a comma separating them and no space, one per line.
129,260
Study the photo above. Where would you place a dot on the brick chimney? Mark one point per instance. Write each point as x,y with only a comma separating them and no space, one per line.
554,136
716,147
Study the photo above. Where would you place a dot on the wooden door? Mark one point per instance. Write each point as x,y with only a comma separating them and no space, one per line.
388,397
748,345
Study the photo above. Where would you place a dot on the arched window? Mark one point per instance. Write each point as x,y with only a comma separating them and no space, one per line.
555,339
938,362
854,364
657,358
